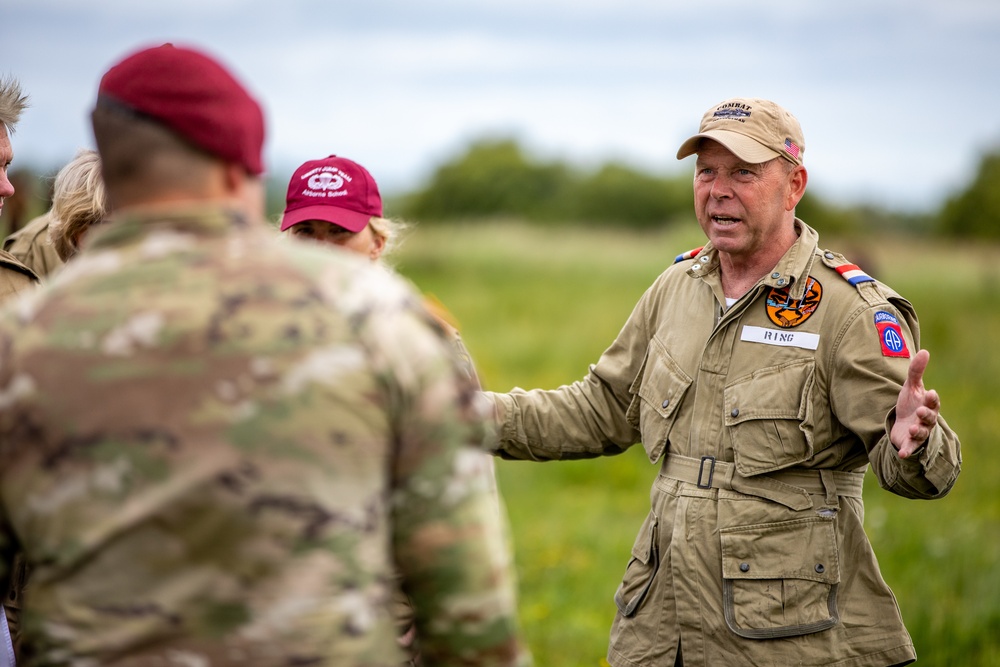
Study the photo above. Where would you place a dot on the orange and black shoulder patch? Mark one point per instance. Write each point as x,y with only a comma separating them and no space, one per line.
787,312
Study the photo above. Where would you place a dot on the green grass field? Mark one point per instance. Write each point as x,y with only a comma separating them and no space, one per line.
537,305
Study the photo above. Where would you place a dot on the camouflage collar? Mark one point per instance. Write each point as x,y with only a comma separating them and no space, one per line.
198,220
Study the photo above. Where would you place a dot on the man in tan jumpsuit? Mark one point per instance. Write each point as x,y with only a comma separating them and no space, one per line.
765,375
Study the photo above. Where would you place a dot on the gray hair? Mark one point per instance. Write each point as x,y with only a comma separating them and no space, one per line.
12,102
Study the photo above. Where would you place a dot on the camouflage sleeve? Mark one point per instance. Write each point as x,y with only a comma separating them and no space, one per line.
449,540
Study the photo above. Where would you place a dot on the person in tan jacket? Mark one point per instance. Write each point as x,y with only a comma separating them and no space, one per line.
78,203
764,375
33,248
14,275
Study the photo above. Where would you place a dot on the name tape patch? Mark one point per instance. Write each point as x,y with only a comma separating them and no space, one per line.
890,335
781,337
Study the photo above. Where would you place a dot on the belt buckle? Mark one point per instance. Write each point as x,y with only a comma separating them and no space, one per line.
701,472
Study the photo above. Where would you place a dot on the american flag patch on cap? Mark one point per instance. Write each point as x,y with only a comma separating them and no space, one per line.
791,148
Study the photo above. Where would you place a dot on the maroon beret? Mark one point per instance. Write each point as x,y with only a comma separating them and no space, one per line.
193,95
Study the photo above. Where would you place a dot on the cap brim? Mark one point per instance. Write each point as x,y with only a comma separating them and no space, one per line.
352,221
742,146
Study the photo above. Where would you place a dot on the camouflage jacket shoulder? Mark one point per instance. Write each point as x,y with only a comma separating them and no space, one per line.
219,446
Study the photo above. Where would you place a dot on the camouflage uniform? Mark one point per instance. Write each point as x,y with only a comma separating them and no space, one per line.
218,450
31,245
406,625
763,418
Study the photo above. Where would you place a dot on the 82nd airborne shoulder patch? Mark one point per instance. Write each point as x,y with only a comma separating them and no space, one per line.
890,335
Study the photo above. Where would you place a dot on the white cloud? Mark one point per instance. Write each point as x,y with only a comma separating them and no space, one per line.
885,91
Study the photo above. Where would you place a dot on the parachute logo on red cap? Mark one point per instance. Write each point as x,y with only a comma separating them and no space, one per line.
332,189
326,181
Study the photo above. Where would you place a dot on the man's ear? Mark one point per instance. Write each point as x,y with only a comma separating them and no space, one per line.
234,178
796,186
244,190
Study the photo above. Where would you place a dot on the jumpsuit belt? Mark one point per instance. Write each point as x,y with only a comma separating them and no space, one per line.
788,487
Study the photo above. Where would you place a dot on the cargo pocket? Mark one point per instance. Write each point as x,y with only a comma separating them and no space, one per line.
769,418
780,579
656,397
641,570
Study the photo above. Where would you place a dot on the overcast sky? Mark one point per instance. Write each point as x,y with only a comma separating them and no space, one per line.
898,99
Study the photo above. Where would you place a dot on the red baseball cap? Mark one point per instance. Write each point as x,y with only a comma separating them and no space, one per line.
193,95
334,190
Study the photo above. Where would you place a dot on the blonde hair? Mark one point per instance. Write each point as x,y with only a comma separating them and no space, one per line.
390,231
79,201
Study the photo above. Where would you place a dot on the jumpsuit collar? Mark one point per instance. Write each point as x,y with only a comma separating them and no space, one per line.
791,269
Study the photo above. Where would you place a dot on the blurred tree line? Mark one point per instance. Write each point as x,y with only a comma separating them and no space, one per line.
497,177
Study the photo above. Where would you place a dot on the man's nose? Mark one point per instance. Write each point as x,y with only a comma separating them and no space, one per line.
6,187
721,188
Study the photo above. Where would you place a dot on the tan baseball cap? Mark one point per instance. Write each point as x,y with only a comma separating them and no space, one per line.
754,130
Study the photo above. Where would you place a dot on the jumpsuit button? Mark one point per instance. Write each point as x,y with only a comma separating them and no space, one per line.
744,567
666,403
828,255
819,568
775,275
696,267
735,412
781,282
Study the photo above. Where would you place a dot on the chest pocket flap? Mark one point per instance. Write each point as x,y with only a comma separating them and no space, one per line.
657,394
768,417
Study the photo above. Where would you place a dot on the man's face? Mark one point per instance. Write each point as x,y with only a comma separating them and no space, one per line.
6,156
741,207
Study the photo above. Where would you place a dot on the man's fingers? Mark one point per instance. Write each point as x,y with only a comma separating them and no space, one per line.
932,401
918,365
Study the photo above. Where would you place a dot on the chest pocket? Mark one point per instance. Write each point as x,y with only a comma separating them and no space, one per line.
769,418
657,392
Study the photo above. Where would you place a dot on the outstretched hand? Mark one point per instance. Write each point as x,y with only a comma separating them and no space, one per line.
917,409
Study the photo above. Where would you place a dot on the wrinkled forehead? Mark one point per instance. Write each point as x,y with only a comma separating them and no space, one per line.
6,150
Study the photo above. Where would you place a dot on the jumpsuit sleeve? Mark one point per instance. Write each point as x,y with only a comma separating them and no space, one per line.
867,382
585,419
